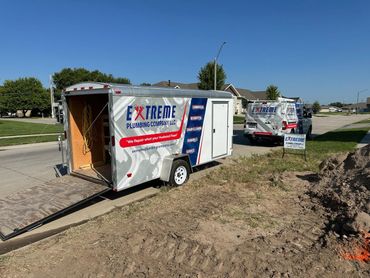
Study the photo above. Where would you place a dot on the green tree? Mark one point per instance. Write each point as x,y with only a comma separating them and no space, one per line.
206,77
145,84
2,102
316,107
44,106
67,77
24,94
272,92
337,104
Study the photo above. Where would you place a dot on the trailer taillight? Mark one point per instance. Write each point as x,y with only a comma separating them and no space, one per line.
113,141
284,125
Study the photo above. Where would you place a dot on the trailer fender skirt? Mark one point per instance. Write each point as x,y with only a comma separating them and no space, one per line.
167,165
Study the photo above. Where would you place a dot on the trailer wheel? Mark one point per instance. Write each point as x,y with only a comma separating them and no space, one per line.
252,140
179,173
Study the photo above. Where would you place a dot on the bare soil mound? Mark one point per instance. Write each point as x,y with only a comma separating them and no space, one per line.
344,189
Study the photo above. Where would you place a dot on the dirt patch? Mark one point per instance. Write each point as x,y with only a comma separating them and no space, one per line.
276,227
344,189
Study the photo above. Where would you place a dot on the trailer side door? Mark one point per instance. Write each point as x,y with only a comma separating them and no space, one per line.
220,119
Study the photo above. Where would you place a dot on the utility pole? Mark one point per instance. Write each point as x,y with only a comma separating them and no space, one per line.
358,96
215,73
52,96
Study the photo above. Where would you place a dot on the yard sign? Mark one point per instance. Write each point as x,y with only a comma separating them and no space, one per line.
295,142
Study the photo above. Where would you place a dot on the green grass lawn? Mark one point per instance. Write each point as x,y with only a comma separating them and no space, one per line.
251,169
365,122
10,128
239,119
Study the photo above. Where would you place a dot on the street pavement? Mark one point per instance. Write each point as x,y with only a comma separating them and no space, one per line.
22,167
48,121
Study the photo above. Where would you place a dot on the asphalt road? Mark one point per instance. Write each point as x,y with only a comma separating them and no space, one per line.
25,166
22,168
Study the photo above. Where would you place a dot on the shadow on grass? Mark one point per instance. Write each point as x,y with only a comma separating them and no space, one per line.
350,135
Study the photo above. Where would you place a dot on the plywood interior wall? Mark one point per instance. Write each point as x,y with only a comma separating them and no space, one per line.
96,156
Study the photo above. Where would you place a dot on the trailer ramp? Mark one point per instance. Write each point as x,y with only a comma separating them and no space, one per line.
26,210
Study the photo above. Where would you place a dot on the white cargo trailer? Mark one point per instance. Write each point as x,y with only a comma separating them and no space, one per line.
119,136
128,135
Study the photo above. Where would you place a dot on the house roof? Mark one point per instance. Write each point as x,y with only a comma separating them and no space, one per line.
230,88
246,93
170,84
260,94
238,92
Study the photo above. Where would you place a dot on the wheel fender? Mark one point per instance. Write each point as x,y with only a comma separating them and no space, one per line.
167,165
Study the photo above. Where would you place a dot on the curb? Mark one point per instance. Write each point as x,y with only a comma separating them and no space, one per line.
29,135
364,141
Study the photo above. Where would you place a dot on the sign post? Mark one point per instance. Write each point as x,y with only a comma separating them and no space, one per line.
295,142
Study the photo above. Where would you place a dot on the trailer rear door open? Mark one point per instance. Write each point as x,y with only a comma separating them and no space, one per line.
31,208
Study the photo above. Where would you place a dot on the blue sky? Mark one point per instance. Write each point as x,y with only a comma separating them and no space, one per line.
316,49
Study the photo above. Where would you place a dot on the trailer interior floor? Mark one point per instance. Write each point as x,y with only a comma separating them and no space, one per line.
99,173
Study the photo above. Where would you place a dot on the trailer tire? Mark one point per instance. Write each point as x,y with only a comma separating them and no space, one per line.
180,172
252,140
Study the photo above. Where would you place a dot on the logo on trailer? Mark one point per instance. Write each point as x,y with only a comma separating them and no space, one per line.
139,112
139,116
151,112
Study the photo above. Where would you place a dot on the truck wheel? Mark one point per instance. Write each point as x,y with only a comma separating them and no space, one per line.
309,133
252,140
179,173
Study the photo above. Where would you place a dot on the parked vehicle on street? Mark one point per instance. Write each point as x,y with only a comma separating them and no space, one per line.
304,120
270,119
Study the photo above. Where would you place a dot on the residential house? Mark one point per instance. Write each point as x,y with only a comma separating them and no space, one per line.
241,96
362,107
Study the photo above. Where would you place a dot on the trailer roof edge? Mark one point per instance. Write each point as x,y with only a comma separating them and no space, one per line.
132,90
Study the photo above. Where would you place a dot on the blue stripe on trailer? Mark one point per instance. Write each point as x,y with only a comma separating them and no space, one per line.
194,128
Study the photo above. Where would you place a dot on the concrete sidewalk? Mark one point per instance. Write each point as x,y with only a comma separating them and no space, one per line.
48,121
365,141
107,203
28,135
